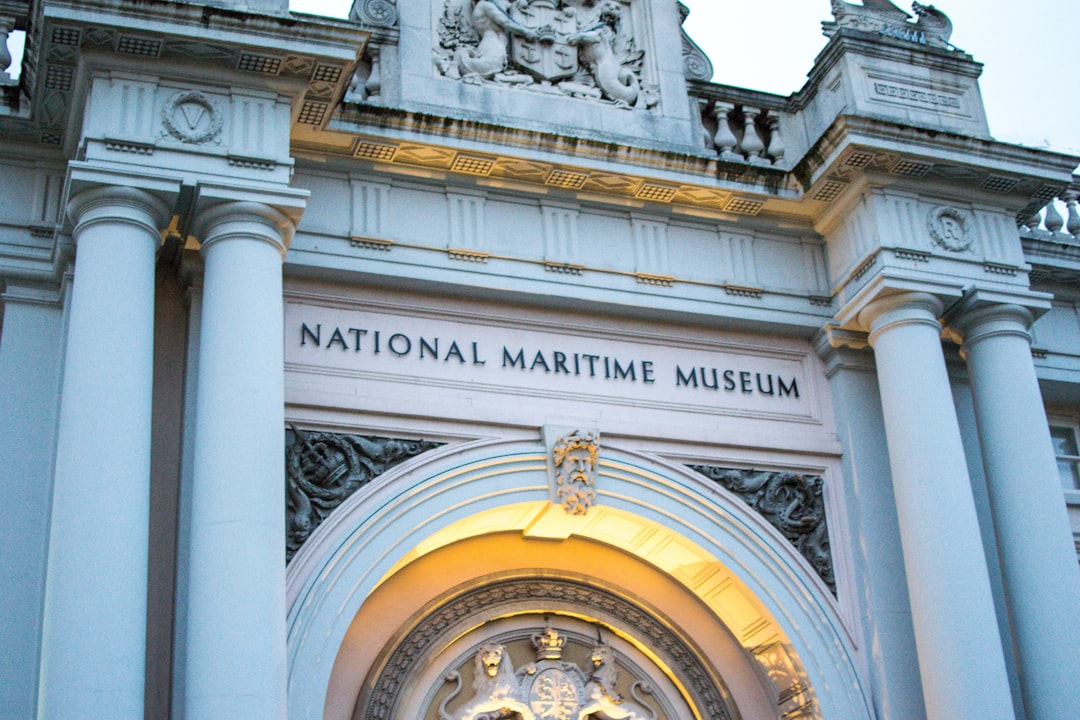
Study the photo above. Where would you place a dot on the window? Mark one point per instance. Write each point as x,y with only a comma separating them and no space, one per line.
1067,452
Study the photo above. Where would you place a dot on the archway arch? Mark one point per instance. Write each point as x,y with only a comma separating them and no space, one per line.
727,562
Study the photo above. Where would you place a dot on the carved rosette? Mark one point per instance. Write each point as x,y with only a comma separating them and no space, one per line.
573,464
377,13
582,49
791,502
323,469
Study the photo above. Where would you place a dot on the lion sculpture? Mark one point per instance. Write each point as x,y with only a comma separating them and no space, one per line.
602,701
495,689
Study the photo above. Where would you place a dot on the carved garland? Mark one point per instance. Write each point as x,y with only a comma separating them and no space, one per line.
406,656
323,469
792,503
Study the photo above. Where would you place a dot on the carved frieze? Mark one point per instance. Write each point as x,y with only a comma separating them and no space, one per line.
323,469
791,502
581,48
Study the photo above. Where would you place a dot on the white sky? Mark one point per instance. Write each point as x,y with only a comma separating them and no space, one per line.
1031,96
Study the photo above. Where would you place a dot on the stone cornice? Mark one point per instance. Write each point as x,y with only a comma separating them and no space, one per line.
311,58
860,150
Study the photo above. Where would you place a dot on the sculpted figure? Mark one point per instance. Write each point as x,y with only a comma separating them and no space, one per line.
601,699
495,688
574,457
492,23
596,46
934,23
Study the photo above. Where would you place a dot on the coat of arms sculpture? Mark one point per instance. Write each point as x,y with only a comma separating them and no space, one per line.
580,48
549,689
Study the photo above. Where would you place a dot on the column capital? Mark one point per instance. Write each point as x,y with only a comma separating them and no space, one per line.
903,308
243,220
890,289
987,313
267,214
117,203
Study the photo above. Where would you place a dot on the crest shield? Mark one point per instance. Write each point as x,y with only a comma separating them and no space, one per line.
550,56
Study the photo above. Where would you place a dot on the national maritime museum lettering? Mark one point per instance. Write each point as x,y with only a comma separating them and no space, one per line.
492,360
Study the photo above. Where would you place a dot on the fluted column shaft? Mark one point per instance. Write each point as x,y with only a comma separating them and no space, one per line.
1042,582
94,634
961,660
236,664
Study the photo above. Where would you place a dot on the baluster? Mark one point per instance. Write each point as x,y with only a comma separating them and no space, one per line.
776,147
7,24
724,139
752,146
1034,222
1053,219
373,86
1073,226
705,110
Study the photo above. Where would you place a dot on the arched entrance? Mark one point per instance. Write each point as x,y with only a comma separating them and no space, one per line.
461,547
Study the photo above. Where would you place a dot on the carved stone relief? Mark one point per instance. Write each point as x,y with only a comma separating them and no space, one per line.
791,502
950,229
695,61
192,118
377,13
573,463
548,686
931,27
323,469
581,48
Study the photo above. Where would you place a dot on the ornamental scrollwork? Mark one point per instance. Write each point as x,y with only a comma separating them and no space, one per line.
323,469
581,48
791,502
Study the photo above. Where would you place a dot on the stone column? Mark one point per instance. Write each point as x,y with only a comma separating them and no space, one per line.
1042,583
93,646
235,657
31,347
961,660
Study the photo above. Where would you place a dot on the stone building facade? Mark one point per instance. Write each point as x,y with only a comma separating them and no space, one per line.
482,359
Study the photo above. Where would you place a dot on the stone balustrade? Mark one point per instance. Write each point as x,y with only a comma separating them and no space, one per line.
13,17
1059,220
744,133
